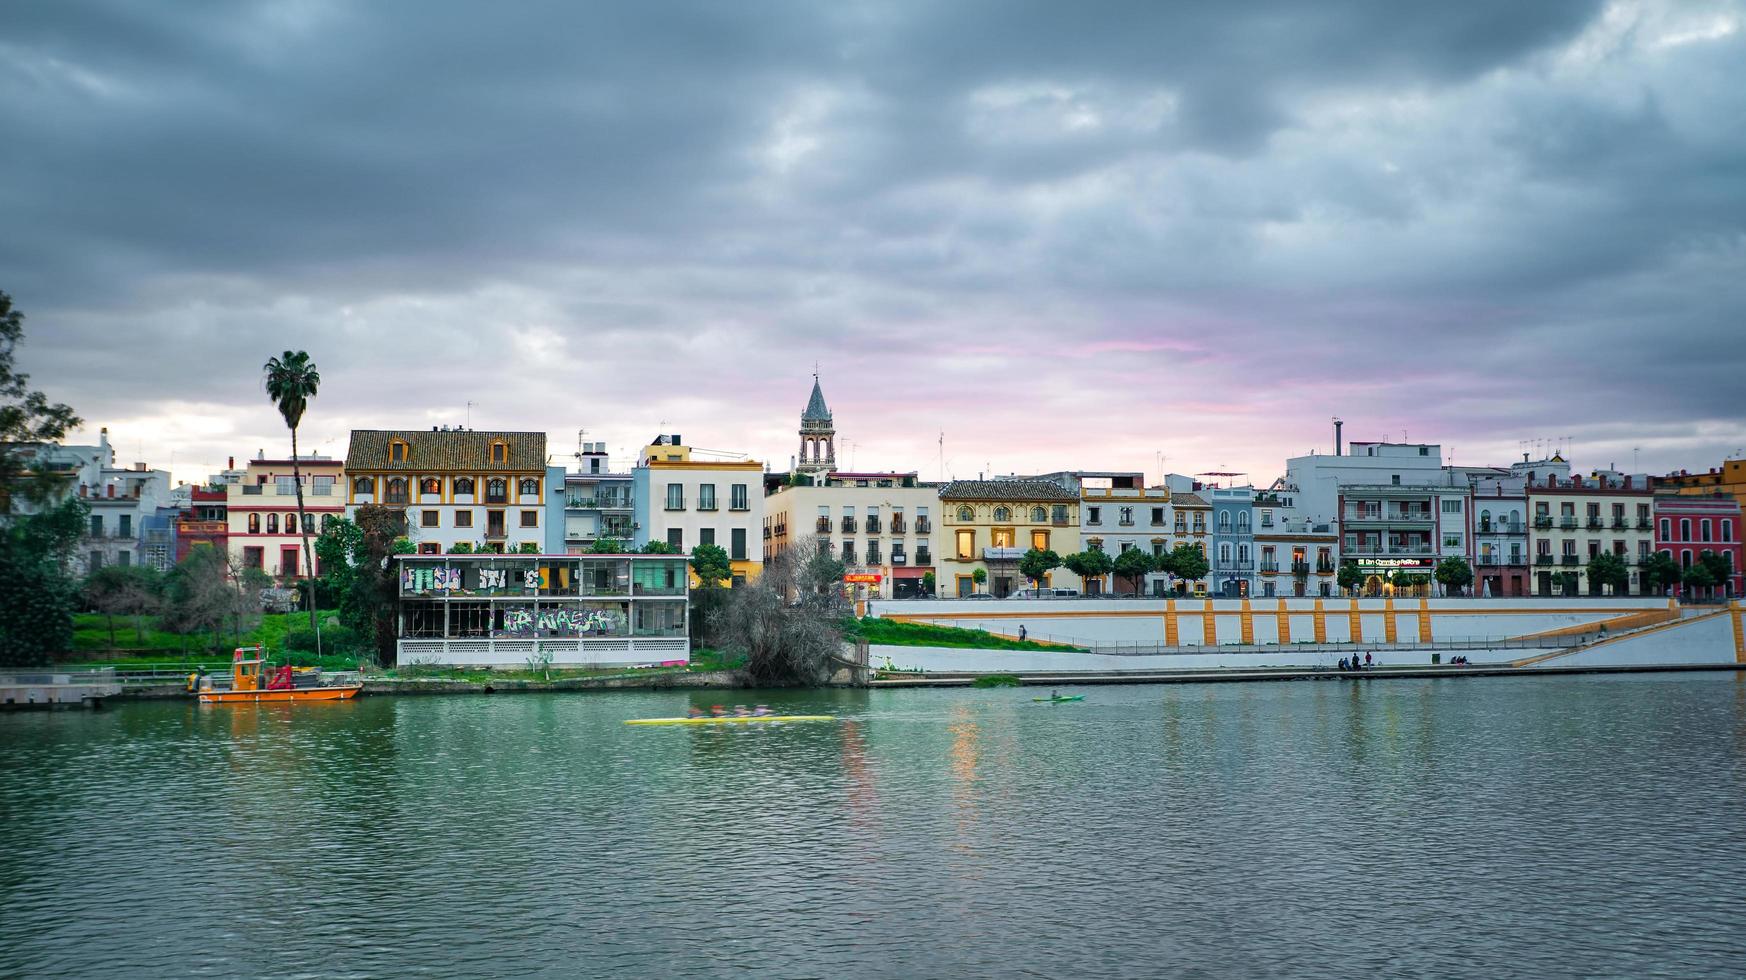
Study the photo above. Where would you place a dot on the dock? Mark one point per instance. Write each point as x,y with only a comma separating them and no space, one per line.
21,692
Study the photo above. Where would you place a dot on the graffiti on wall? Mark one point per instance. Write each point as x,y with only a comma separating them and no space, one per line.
493,578
424,579
562,622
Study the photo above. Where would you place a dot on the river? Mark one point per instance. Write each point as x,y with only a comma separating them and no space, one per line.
1559,826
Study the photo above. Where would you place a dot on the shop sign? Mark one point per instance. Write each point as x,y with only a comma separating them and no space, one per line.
868,577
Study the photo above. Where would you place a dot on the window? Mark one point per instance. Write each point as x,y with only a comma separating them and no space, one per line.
291,522
676,538
285,486
1266,518
966,544
737,497
1002,537
737,544
326,521
1127,516
1003,514
308,523
1451,540
255,557
1703,526
1242,522
272,523
1727,530
1094,515
1396,480
429,548
396,491
706,496
705,536
1451,505
1157,517
1224,522
496,491
1685,529
1039,515
463,518
499,451
1224,553
966,514
1666,529
254,523
398,451
364,484
323,485
464,484
431,485
530,518
675,496
530,487
1060,514
1040,540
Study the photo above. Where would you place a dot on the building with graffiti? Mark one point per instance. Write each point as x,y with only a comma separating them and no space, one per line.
512,610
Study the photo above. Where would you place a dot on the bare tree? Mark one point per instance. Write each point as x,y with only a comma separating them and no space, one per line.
789,622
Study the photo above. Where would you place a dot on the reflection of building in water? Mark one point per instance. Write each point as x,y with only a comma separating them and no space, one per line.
863,795
966,752
510,609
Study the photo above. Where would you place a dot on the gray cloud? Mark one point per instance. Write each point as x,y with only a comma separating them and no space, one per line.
1159,224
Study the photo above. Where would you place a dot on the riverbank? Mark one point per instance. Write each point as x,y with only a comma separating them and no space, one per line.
1072,679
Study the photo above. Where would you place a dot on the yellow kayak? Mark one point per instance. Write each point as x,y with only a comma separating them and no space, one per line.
727,719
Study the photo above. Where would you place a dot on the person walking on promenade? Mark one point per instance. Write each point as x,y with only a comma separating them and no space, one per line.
1022,633
1367,661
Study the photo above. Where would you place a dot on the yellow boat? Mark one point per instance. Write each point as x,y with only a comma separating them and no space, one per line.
727,719
248,685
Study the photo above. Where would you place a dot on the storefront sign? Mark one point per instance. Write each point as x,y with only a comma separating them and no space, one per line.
869,577
1391,564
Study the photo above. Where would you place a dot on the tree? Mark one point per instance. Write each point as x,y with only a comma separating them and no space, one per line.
1037,563
291,381
1698,577
659,548
788,621
1720,565
607,546
1188,562
358,556
979,576
710,564
1134,565
1569,583
1454,573
1349,577
1659,572
37,594
928,581
1090,565
458,548
122,590
205,592
1605,569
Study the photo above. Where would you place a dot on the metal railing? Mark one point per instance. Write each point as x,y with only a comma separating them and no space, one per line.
872,525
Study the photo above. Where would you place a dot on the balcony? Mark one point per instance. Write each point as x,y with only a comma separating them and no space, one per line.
781,529
1300,568
252,491
1324,568
1645,524
766,534
1595,524
1621,523
873,556
1389,517
1268,567
922,526
1233,565
872,525
674,503
706,503
848,525
922,557
1567,523
1200,529
848,554
1423,551
897,526
899,558
1500,527
1571,560
1061,520
1542,523
822,526
739,505
1180,529
1542,559
1002,554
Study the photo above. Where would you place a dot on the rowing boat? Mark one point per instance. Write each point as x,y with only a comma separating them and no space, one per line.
728,719
1074,697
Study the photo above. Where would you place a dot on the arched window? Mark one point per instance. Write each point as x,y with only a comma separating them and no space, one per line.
1225,521
966,514
308,523
496,491
254,523
396,491
1685,529
1003,514
326,521
1038,515
1224,553
290,522
530,487
1242,552
464,484
1727,530
272,523
1704,526
363,484
1243,520
430,484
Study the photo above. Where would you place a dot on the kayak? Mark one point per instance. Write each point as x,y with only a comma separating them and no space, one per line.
1074,697
728,720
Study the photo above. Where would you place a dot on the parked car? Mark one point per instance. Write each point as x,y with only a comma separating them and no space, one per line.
979,595
1065,593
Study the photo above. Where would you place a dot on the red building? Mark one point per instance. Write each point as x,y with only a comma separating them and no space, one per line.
1687,527
206,521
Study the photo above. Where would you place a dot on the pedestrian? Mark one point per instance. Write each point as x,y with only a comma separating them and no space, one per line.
1367,661
1022,633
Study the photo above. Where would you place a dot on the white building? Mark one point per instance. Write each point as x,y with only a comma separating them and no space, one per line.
881,525
261,510
597,504
687,502
128,504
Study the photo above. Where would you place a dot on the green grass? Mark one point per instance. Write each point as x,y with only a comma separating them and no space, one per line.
996,680
91,643
892,633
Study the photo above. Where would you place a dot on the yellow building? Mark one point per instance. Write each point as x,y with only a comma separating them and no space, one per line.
990,524
1729,478
458,486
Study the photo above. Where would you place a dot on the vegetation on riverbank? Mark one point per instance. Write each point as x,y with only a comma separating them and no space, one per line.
893,633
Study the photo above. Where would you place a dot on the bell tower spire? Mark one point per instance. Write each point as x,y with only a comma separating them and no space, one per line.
818,434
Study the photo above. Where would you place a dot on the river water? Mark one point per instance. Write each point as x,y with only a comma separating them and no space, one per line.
1561,826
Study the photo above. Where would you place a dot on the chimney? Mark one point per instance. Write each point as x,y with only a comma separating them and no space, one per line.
110,490
83,489
230,463
1338,447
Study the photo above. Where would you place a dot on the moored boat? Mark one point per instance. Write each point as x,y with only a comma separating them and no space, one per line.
251,682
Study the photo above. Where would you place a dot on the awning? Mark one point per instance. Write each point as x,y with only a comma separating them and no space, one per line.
898,573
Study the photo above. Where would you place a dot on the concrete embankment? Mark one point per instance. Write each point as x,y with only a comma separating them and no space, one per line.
1072,679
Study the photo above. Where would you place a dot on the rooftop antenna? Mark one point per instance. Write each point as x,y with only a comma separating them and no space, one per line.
942,455
1634,451
469,415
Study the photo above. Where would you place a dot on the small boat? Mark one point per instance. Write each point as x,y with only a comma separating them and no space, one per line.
727,719
248,685
1060,700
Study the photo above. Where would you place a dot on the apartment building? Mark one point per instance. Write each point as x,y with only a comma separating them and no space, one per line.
990,524
1689,526
486,490
1294,555
685,502
880,525
1575,518
261,512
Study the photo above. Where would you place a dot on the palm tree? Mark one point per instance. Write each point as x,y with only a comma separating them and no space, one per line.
291,383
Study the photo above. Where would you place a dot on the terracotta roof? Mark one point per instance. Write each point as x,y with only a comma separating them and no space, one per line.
437,452
1188,500
1006,490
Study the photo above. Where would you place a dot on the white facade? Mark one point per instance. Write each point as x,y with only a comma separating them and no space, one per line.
686,503
872,521
1318,479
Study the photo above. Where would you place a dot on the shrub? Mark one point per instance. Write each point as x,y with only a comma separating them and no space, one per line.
334,639
996,680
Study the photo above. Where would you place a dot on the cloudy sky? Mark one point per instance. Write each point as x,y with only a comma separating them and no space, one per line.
1063,234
